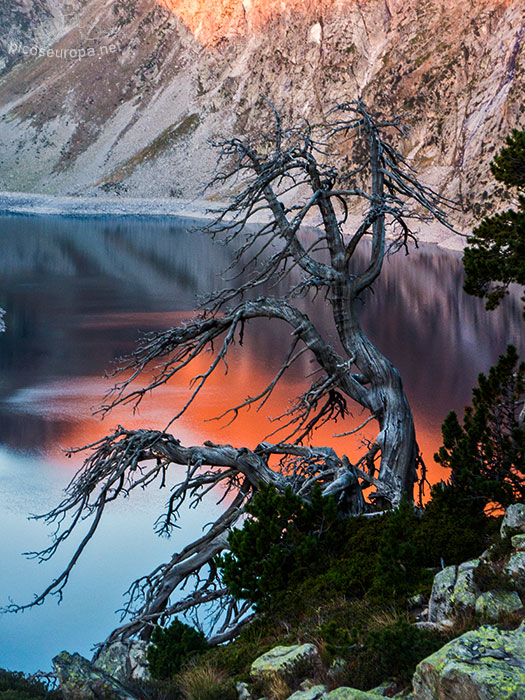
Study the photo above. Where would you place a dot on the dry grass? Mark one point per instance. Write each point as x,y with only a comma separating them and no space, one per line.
205,681
277,688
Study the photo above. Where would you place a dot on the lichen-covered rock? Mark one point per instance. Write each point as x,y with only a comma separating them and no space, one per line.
484,664
382,690
80,680
439,605
493,604
468,565
518,542
285,660
312,693
465,591
513,521
516,568
344,693
125,661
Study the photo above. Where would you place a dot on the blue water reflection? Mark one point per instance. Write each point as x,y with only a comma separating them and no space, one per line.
76,293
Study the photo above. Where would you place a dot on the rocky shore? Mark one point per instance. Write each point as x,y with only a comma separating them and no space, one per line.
486,662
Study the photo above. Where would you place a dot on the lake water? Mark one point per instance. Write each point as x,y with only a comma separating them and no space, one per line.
77,292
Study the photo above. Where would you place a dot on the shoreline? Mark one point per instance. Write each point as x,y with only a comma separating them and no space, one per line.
30,204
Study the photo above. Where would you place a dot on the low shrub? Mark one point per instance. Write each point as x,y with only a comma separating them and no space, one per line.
391,652
171,647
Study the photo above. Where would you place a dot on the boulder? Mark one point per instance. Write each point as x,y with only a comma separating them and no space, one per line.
285,661
518,542
516,568
513,521
243,691
80,680
484,664
312,693
465,590
493,604
125,661
439,607
344,693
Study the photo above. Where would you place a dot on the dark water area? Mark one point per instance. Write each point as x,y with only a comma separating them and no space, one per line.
77,292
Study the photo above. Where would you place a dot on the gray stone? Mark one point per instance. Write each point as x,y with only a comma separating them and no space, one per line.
518,542
468,566
382,690
80,680
484,664
125,661
513,521
312,693
493,604
243,691
344,693
465,592
285,660
442,589
516,567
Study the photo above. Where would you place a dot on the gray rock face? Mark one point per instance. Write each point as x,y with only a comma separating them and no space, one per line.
465,590
312,693
484,664
493,604
442,61
284,660
439,607
514,520
516,568
81,680
125,661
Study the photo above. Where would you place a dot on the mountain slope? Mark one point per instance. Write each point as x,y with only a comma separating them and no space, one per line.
157,80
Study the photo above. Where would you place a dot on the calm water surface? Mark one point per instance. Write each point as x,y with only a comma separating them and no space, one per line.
77,293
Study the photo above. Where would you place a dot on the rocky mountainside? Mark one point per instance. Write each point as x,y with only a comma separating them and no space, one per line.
124,96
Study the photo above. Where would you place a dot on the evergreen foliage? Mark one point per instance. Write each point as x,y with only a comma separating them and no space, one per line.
453,529
15,685
171,647
397,566
278,544
509,165
495,255
486,453
394,651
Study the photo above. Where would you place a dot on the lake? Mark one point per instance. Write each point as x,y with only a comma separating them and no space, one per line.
77,293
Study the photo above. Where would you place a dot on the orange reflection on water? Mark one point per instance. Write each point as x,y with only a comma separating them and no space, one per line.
249,372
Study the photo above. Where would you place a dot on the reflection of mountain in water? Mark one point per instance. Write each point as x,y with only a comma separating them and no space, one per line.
77,291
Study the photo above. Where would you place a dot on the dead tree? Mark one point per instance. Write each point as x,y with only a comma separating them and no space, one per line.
285,177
